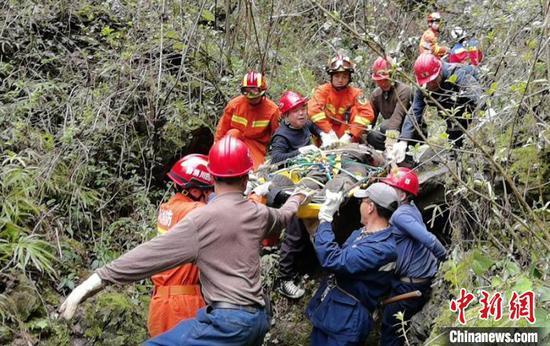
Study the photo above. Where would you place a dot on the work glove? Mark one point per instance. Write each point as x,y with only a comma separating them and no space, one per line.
263,189
330,206
309,149
306,192
249,188
251,183
345,139
86,289
397,153
328,139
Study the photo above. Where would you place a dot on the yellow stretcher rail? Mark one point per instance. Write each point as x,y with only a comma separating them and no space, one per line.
309,211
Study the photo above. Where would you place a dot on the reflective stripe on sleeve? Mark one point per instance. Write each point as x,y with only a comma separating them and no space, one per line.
361,120
161,230
260,123
239,120
318,117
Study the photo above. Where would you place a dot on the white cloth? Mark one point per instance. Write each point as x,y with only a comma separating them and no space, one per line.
86,289
345,139
328,139
398,151
330,206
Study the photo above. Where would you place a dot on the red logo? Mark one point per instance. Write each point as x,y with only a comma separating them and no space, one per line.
519,305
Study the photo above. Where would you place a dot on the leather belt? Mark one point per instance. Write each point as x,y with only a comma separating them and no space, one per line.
179,290
413,280
248,308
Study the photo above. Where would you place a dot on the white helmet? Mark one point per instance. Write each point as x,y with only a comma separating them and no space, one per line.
458,33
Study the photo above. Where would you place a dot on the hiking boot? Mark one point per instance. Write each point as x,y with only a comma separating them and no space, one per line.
290,290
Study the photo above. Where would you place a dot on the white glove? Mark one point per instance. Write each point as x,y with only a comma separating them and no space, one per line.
263,189
328,139
398,152
309,149
345,139
249,188
86,289
330,206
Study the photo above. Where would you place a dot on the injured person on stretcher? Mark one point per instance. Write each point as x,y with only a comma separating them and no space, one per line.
340,169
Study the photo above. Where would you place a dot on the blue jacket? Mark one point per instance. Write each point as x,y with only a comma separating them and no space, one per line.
286,140
357,263
363,268
461,94
417,248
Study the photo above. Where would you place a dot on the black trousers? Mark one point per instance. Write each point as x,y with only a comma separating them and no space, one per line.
294,243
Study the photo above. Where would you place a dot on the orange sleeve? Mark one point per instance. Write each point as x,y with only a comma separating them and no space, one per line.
362,115
224,125
274,123
427,42
440,51
316,109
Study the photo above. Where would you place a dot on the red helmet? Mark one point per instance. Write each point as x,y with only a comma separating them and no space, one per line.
434,16
254,80
403,178
229,157
290,101
381,68
192,171
426,68
340,63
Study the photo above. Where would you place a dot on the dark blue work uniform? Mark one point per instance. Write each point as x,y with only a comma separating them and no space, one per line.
459,90
340,310
286,140
284,145
418,252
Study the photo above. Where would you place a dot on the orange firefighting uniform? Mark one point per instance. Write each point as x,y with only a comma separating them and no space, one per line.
176,294
428,44
255,124
340,110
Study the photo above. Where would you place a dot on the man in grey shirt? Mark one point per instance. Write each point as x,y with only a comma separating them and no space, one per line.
223,240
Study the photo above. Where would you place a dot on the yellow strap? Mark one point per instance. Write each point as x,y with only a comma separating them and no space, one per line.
318,117
331,108
341,110
260,123
361,120
161,230
337,164
239,120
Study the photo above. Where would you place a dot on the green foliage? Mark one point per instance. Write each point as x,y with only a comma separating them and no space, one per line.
93,111
116,319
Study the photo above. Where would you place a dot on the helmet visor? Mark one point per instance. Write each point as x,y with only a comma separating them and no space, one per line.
252,93
337,65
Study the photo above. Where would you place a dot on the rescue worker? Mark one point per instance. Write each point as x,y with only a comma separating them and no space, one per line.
362,268
176,293
458,95
339,109
418,253
251,117
391,100
293,137
428,41
466,49
223,240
